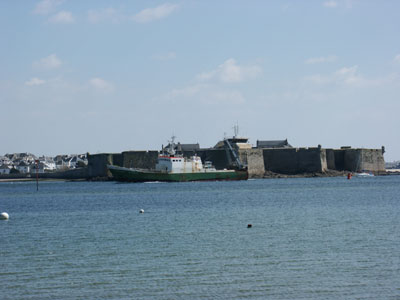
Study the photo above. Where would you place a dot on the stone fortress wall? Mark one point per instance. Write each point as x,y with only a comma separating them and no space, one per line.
290,161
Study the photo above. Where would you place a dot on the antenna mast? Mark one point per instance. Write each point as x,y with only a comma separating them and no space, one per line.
236,129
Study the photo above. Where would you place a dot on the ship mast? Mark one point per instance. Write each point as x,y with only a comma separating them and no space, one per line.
236,130
171,149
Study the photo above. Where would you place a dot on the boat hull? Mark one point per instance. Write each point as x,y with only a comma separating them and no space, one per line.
134,175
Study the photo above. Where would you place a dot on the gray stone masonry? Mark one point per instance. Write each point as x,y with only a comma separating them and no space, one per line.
290,161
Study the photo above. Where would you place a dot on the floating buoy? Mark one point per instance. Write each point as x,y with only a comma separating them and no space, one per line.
249,225
4,216
141,211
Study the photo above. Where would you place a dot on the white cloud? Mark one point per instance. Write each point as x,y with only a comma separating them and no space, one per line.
330,4
206,94
207,88
345,75
231,72
152,14
323,59
207,75
62,17
350,77
35,81
165,56
347,71
107,14
45,7
318,79
47,63
397,58
187,92
101,84
146,15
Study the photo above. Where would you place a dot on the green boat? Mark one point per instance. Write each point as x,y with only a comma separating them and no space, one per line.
140,175
176,168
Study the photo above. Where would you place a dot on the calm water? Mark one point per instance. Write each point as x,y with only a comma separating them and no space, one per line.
317,238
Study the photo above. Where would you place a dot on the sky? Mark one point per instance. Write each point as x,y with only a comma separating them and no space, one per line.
109,76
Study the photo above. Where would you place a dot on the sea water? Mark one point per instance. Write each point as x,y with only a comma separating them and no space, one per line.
311,238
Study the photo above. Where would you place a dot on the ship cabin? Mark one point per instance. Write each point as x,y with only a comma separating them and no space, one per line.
179,164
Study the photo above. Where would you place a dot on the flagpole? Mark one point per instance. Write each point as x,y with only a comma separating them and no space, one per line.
37,175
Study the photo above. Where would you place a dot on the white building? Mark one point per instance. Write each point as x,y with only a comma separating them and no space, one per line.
4,160
4,169
76,161
48,162
23,167
40,168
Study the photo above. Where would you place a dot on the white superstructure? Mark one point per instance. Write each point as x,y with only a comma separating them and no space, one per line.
170,162
179,164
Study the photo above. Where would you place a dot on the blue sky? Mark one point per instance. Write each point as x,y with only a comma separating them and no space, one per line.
110,76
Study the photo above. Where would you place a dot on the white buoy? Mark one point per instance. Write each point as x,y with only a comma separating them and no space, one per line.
4,216
141,211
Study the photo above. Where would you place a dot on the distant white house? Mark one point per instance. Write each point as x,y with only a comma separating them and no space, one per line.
61,162
49,165
4,160
5,169
48,162
76,160
40,168
23,167
72,162
60,165
25,162
28,158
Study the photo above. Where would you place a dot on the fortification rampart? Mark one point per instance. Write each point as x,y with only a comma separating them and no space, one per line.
295,160
356,160
372,160
97,164
139,159
290,161
216,156
254,160
330,159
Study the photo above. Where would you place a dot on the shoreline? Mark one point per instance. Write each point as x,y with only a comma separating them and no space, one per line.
40,179
267,175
